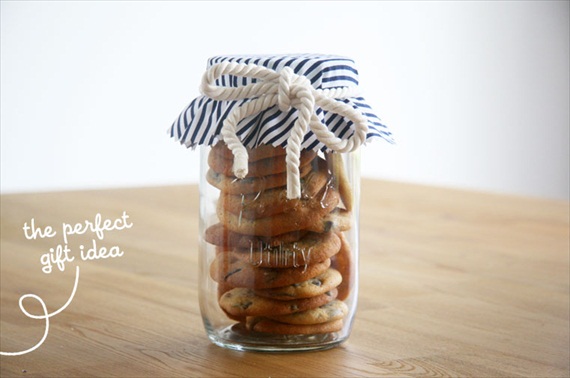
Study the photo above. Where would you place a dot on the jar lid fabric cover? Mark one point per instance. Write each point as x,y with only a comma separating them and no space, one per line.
200,123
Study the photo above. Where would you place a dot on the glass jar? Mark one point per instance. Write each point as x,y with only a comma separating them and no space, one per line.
279,226
278,274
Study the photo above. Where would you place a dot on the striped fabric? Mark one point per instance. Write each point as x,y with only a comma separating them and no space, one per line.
201,122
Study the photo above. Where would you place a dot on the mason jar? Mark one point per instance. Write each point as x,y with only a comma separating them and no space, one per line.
279,138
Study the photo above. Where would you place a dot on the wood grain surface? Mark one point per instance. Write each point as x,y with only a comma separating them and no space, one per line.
452,283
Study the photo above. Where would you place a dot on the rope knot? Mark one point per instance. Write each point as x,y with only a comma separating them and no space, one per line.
292,89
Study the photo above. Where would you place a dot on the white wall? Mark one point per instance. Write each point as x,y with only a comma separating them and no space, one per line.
476,93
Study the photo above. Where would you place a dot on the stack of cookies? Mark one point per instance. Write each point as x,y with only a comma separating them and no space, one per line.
282,265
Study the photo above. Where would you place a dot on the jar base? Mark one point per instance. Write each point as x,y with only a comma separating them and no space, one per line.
237,337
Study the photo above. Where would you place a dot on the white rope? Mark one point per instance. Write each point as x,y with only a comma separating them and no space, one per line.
286,90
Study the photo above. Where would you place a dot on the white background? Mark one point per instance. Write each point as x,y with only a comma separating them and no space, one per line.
476,93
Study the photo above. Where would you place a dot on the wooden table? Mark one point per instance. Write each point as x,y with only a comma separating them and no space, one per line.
453,283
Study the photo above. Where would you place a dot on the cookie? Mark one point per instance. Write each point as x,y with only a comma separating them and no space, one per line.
259,168
342,262
241,302
218,235
254,154
306,289
311,249
233,185
223,288
336,166
265,325
274,201
328,312
225,269
309,216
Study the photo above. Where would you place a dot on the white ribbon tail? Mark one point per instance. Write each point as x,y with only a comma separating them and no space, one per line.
229,132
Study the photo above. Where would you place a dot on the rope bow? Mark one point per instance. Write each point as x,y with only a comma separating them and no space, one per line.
286,90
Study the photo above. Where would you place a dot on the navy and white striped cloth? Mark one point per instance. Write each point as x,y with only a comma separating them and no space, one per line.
201,122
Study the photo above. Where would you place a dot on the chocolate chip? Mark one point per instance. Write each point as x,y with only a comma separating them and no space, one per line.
316,282
231,273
